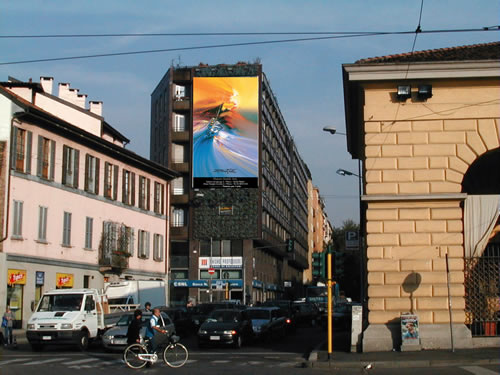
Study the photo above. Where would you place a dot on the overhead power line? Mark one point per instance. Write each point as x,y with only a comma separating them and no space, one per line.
233,45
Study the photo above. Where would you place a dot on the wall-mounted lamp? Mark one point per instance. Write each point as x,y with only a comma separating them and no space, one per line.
404,92
424,92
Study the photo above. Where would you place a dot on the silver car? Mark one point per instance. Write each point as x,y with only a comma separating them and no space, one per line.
115,338
267,322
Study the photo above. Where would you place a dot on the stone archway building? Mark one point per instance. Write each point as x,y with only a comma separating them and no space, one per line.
415,153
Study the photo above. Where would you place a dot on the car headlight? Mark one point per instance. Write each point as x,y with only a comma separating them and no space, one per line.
108,337
30,326
230,332
66,326
202,332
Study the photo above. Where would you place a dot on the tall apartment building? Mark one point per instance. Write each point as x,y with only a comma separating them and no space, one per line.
243,191
77,207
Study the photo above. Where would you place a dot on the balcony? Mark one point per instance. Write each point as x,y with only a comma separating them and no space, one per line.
180,137
179,199
113,260
182,104
180,167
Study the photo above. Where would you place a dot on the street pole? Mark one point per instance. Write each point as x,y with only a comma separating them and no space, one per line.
244,282
210,281
329,289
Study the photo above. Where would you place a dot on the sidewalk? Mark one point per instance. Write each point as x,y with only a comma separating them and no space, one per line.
394,359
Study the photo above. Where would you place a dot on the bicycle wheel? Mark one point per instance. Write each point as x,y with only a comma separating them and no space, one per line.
131,356
175,355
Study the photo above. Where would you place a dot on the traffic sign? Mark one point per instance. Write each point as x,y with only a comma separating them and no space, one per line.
211,271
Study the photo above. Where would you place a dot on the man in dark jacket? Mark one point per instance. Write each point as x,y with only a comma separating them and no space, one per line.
134,328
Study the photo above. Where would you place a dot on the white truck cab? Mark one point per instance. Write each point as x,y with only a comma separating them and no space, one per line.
63,316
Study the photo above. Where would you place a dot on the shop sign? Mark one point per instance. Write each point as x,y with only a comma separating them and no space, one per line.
64,280
220,262
16,277
190,283
40,278
257,284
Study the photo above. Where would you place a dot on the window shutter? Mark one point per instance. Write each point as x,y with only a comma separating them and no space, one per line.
29,138
65,161
96,177
87,173
39,156
115,182
132,190
132,241
76,168
13,148
160,246
147,244
52,159
148,193
40,223
124,184
20,218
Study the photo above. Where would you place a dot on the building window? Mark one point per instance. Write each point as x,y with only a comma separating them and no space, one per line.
180,92
17,230
91,174
158,198
70,166
143,244
177,217
21,150
128,188
42,223
89,224
179,123
178,185
177,153
46,158
117,238
110,181
158,247
67,229
144,192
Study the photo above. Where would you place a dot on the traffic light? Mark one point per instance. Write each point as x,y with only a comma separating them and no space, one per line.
289,245
318,265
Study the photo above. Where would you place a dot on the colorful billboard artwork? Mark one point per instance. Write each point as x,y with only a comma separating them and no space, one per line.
225,132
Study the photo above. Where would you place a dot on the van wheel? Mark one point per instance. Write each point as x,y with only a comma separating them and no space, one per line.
238,343
83,340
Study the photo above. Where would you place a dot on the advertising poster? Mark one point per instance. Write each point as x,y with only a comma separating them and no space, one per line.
16,277
64,280
409,328
225,132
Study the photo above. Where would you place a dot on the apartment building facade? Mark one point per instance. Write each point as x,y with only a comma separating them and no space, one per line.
427,127
78,208
243,190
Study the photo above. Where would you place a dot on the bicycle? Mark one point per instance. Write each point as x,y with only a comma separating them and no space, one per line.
174,354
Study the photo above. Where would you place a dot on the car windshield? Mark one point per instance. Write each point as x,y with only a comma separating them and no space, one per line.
61,302
223,316
259,314
208,308
125,320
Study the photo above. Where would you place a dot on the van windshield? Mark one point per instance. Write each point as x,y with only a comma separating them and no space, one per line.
61,302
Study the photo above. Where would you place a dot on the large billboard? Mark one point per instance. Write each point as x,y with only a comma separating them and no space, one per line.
225,132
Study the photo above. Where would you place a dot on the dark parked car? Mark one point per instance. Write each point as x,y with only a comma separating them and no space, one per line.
183,324
267,322
287,307
306,313
225,327
201,312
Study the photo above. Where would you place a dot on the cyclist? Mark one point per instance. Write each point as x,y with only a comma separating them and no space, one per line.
154,330
134,328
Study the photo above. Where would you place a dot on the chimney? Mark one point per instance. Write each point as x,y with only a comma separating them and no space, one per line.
80,100
64,91
47,84
95,107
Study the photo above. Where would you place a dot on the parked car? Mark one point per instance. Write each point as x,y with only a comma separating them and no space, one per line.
201,312
182,320
306,313
267,322
225,327
115,338
287,307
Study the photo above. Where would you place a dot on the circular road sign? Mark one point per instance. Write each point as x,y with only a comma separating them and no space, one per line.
211,271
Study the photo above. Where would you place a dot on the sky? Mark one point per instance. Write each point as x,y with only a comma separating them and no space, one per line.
305,76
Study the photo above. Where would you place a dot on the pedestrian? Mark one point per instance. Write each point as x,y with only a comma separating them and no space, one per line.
147,307
7,324
134,328
154,330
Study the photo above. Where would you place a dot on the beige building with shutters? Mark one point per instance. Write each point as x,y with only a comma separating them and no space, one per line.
423,156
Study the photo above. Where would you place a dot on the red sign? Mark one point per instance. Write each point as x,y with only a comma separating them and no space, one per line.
16,277
211,271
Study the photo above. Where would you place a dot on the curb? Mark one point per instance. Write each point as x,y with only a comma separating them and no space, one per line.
403,364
